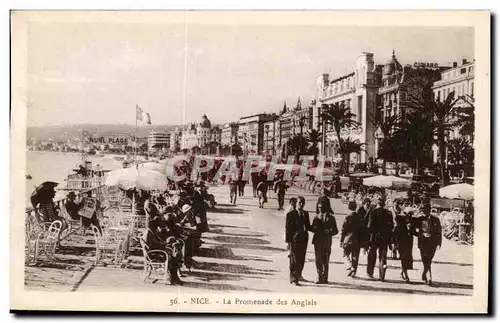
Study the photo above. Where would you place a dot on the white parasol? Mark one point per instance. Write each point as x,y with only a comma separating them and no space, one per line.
458,191
387,181
157,167
143,179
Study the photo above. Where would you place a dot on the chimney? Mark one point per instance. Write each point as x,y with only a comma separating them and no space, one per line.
455,64
464,61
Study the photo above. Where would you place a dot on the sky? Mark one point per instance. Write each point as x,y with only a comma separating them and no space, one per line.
98,72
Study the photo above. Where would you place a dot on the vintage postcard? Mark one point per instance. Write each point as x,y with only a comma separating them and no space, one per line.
250,161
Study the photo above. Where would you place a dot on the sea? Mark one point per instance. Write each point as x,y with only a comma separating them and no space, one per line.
56,166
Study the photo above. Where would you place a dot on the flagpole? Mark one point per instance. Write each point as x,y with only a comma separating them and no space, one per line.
135,141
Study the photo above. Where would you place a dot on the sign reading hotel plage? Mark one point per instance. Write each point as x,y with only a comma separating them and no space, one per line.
108,140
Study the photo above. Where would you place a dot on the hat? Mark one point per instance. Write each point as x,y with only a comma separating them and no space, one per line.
71,194
186,208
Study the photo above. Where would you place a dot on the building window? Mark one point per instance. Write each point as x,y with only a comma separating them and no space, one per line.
472,89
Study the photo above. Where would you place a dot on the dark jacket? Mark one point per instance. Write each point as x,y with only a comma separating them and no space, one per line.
296,226
325,229
363,217
429,233
351,230
380,226
280,187
72,208
402,231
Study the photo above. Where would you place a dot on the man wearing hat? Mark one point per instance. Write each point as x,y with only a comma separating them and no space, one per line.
190,228
71,206
380,227
428,230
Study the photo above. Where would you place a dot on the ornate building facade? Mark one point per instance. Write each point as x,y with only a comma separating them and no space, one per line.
293,121
251,133
402,84
357,91
459,80
200,134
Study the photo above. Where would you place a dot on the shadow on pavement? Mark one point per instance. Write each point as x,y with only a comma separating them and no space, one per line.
227,226
232,268
447,263
253,247
389,290
220,287
76,250
226,211
246,234
240,240
209,276
223,252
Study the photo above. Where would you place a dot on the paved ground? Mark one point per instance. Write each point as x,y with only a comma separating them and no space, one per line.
245,251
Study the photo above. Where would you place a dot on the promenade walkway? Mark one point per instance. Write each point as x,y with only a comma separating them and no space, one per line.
245,251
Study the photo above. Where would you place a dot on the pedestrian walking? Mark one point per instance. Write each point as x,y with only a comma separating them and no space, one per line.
262,193
233,188
350,239
429,233
280,188
396,211
324,227
403,239
380,228
255,182
296,236
241,187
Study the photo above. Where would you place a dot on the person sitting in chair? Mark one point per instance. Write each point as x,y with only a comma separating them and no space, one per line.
159,236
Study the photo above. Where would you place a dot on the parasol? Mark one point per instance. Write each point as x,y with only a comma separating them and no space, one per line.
157,167
458,191
40,190
141,178
387,181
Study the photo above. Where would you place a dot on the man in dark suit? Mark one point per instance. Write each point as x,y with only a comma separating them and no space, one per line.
350,239
429,232
296,236
280,188
380,227
363,214
324,227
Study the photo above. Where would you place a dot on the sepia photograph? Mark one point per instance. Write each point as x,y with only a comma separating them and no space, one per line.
250,161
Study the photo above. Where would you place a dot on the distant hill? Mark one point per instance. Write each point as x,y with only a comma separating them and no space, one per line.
65,132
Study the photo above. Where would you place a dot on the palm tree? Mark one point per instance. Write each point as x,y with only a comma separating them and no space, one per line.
442,114
340,117
313,137
460,151
466,118
387,126
414,139
296,145
349,146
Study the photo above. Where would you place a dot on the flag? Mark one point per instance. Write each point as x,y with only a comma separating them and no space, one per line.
142,116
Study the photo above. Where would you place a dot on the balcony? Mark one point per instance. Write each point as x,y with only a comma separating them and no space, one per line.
351,131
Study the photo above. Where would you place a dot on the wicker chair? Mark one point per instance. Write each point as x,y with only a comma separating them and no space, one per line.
110,243
44,243
72,225
154,265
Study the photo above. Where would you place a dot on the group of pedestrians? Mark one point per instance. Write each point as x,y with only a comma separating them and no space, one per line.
323,226
370,227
